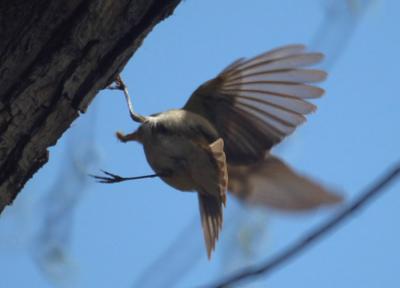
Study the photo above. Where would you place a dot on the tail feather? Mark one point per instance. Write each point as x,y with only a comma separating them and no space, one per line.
212,183
211,220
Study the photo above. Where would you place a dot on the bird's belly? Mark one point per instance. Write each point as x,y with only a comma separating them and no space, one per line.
180,182
171,156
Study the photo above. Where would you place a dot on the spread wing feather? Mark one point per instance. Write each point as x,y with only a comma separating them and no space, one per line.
255,103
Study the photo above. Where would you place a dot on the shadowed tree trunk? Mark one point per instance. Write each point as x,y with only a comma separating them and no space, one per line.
54,57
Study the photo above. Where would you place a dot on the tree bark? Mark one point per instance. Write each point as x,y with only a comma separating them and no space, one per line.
55,56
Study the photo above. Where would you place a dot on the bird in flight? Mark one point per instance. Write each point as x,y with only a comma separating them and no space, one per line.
221,139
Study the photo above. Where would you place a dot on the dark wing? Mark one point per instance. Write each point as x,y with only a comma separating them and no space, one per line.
274,184
255,103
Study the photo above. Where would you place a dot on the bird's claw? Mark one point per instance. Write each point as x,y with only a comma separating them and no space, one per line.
108,179
117,84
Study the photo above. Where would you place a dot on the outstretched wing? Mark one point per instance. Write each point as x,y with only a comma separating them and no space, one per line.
274,184
255,103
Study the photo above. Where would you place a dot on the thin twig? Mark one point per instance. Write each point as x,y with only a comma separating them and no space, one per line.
268,266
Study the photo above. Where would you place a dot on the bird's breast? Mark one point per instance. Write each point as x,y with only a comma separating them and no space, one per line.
172,142
169,155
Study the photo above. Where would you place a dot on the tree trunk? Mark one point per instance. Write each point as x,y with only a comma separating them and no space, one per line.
54,57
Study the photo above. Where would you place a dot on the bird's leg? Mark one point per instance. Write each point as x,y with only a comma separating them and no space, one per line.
120,85
127,137
110,178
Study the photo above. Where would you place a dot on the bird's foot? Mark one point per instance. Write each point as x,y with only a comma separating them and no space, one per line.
118,84
127,137
109,178
120,136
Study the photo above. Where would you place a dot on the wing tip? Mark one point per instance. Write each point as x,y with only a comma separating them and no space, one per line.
323,75
333,198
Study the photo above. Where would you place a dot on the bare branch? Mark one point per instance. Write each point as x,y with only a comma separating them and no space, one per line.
270,265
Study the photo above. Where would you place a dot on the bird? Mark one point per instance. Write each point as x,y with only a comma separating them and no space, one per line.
221,139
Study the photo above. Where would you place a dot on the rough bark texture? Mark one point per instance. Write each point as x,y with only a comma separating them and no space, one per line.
55,56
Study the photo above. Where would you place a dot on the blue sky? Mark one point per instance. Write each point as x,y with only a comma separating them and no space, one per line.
114,232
